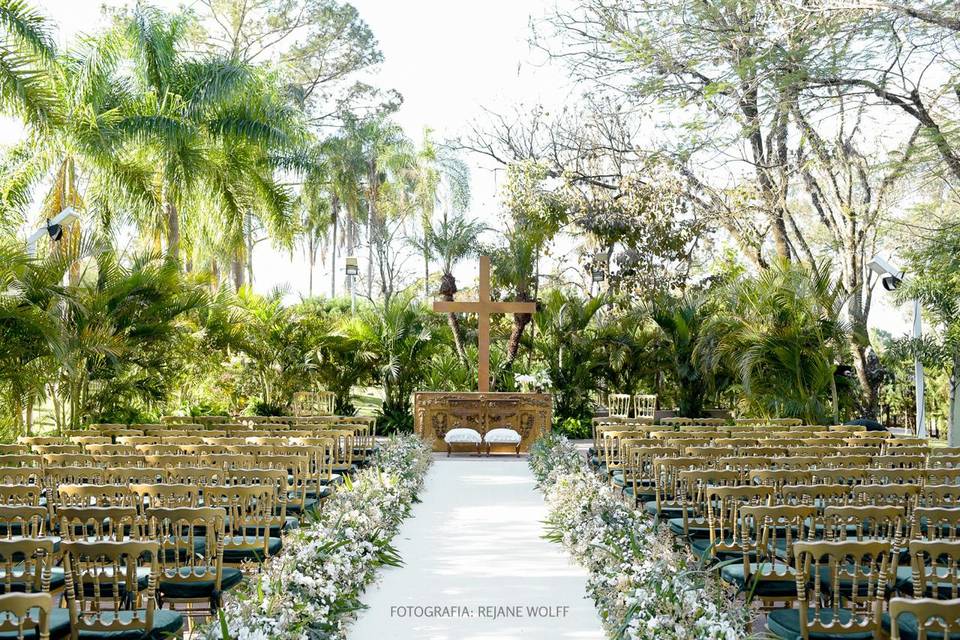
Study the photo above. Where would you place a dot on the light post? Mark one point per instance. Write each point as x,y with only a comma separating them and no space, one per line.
53,228
598,268
890,278
352,269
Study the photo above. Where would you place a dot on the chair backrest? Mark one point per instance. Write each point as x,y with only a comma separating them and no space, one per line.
102,523
23,520
251,513
865,523
155,495
25,615
777,478
864,566
941,617
20,494
935,523
132,475
645,405
54,477
901,495
26,564
101,581
845,476
942,461
818,495
101,495
618,405
940,495
936,569
170,460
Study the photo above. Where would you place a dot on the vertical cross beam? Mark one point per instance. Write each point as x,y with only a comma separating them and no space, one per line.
483,326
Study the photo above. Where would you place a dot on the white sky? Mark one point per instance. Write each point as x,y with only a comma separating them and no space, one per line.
448,58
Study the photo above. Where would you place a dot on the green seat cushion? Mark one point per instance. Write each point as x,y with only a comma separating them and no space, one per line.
696,529
309,504
643,496
785,623
618,479
200,588
668,512
166,625
700,546
59,626
909,630
765,587
234,555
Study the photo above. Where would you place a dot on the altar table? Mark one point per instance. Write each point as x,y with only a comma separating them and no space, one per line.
436,412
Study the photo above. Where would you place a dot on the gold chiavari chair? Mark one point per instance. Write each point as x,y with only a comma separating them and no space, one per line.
863,565
692,496
251,515
643,472
136,441
940,495
905,496
86,495
112,449
28,616
767,537
191,565
618,405
106,596
848,462
23,521
667,504
57,449
934,571
85,441
778,478
763,452
796,461
56,477
298,470
922,618
723,513
157,449
119,461
67,460
899,462
744,465
819,496
227,461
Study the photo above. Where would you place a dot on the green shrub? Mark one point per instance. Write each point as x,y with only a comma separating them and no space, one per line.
574,428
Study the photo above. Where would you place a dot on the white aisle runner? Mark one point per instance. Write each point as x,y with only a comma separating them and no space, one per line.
476,566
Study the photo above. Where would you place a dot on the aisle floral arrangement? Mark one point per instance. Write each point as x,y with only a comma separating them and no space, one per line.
313,587
644,585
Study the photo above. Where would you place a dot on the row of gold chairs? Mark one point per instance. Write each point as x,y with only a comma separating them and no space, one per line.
844,533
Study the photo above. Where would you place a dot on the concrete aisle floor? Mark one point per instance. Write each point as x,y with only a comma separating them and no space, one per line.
476,566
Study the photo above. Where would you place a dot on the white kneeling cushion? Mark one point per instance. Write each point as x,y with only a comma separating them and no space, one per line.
462,436
502,436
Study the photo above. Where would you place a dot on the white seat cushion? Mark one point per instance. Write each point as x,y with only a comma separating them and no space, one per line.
502,436
462,436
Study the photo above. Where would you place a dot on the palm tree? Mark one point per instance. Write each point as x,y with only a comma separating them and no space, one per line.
27,54
515,268
433,167
452,241
781,331
345,168
680,320
397,332
388,155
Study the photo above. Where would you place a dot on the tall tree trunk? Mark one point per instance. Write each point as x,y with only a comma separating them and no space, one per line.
953,428
371,217
335,212
237,271
173,231
249,253
448,289
520,322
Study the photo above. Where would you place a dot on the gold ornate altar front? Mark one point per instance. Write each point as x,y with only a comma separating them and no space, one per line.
436,412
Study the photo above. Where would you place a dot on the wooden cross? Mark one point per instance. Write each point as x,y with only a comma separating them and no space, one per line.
484,307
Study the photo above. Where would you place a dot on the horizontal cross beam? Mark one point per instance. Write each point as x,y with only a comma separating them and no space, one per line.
484,307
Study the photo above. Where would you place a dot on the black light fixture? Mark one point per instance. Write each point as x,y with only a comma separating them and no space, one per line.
598,267
352,266
55,231
890,283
